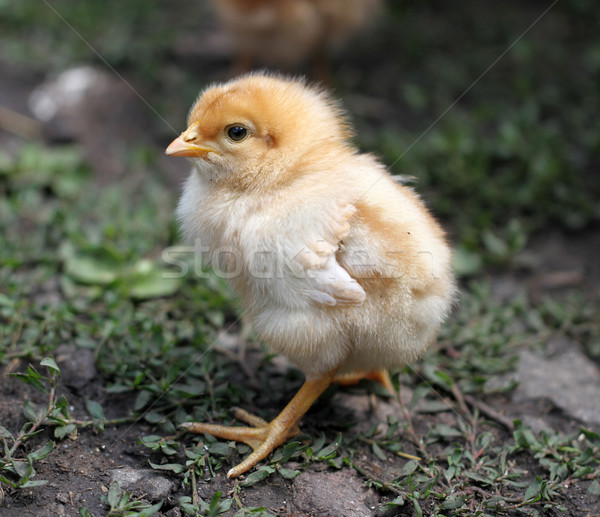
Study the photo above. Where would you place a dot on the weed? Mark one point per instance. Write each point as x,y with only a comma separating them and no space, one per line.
120,503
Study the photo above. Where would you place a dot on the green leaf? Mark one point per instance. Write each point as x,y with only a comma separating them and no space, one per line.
42,452
398,501
64,430
408,468
30,411
533,492
216,506
289,473
594,488
378,452
33,378
152,283
317,445
142,399
479,478
444,379
172,467
35,482
84,512
8,482
90,270
288,451
257,475
186,505
329,452
23,468
523,436
153,417
168,449
417,506
150,440
219,448
5,433
94,409
453,502
445,431
114,495
151,510
50,363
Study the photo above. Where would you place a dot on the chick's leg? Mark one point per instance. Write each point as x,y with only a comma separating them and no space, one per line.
264,437
381,376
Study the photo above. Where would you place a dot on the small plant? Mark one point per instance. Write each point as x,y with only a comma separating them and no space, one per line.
120,504
16,469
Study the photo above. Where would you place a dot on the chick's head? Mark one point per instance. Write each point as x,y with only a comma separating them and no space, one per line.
252,131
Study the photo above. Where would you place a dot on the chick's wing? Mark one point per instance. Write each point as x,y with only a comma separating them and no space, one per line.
328,283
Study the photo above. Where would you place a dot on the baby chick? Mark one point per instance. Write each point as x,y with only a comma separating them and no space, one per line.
339,267
287,33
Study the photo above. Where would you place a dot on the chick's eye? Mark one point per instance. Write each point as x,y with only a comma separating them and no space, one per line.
237,133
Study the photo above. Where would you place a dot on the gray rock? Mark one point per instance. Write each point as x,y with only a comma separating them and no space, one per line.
62,497
332,494
126,477
157,487
154,486
78,365
569,379
95,108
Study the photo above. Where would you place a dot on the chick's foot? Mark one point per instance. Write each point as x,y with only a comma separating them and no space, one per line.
264,437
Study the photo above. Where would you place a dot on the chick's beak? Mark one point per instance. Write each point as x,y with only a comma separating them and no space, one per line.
183,145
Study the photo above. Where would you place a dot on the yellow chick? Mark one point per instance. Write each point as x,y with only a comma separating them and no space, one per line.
286,33
339,268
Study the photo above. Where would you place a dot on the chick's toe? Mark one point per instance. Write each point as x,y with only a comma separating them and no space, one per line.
265,437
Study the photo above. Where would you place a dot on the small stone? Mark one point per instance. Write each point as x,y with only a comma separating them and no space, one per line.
156,487
126,477
568,378
78,366
62,497
331,494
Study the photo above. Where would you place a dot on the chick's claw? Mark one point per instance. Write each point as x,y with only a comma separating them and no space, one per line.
249,418
265,437
271,434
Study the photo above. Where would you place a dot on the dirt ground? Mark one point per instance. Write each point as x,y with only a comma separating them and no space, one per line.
80,470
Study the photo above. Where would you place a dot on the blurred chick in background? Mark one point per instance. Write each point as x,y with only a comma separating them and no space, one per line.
289,33
339,268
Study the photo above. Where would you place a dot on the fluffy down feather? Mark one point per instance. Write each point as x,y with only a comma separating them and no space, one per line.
338,266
